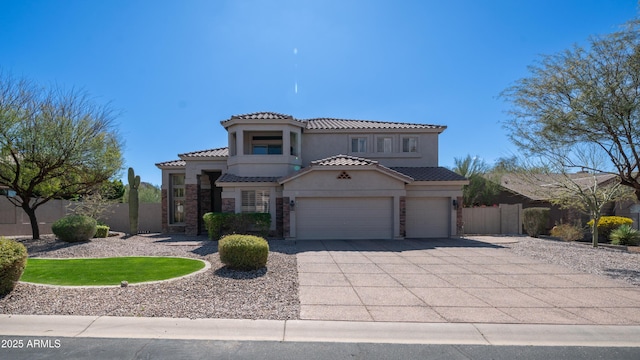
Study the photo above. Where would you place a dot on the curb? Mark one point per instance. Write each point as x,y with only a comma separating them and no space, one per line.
319,331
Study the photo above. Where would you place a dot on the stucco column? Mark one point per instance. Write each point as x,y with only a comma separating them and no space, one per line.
398,217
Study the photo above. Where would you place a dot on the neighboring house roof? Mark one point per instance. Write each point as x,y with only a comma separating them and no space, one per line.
540,186
430,173
230,178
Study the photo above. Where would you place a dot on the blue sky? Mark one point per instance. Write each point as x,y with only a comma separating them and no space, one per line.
175,69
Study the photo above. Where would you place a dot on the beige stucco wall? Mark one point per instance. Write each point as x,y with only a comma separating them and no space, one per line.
317,146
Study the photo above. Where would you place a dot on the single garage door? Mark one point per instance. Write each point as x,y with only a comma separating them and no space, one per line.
427,217
344,218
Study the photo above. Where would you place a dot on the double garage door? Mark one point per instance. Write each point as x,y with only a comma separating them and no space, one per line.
344,218
370,218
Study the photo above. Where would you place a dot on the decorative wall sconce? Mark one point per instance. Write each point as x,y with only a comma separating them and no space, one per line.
292,204
455,204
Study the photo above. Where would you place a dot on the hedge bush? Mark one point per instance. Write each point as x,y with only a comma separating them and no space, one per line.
609,223
13,258
535,220
74,228
568,232
625,235
102,231
219,224
243,252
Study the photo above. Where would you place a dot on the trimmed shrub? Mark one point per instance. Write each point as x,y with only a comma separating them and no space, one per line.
567,232
102,231
13,258
625,235
243,252
74,228
219,224
609,223
535,220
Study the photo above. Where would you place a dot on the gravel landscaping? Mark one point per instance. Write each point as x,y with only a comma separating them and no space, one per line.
603,260
270,293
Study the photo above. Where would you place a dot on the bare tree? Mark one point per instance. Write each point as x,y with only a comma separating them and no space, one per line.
584,191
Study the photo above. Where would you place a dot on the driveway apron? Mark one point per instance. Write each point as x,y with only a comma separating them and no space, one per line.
452,280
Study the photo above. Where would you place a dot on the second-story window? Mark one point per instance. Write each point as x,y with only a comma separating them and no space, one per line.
410,144
359,144
384,144
266,145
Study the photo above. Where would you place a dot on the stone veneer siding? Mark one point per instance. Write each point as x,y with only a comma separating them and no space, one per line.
191,209
228,205
403,216
279,217
205,206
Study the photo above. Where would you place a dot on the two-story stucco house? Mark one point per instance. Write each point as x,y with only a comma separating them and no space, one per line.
319,179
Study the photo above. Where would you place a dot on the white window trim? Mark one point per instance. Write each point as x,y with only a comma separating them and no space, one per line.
355,137
173,198
384,145
402,144
257,193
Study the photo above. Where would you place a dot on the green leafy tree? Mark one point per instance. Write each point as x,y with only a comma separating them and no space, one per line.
482,188
147,193
582,96
53,144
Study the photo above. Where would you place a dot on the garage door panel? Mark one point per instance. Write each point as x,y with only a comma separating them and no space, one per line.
344,218
427,217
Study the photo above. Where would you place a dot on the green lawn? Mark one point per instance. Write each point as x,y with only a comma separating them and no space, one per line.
107,271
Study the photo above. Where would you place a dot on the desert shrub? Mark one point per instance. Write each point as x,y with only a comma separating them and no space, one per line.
260,222
609,223
218,224
535,220
74,228
625,235
13,258
102,231
567,232
243,252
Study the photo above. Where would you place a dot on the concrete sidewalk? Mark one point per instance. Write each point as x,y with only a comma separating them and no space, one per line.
58,326
454,281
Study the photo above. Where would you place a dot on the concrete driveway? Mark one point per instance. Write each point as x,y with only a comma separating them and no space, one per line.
452,280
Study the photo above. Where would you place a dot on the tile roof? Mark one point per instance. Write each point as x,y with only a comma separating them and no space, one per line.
429,173
241,179
332,123
343,160
176,163
335,124
262,115
219,152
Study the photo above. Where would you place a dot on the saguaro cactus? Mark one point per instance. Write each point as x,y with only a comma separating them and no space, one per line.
134,184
